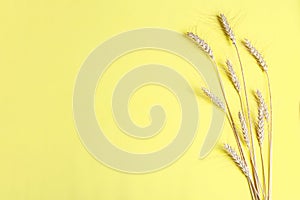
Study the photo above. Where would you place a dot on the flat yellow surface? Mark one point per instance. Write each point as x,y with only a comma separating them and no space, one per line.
42,46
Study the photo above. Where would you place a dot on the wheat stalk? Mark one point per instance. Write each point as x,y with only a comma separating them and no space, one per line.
262,114
270,142
260,138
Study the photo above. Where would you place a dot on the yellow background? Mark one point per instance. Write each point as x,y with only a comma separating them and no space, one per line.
42,46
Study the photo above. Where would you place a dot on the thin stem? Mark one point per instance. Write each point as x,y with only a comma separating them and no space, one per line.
254,197
254,190
270,143
249,118
263,169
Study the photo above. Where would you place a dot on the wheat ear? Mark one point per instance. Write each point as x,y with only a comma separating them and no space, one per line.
260,125
216,100
237,159
201,43
244,129
234,79
256,55
227,29
263,104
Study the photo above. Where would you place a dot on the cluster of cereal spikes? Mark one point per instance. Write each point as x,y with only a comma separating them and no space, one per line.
263,110
263,113
260,131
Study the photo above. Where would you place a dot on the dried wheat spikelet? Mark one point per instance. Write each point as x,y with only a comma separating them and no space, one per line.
254,52
237,159
201,43
216,100
227,29
264,105
234,79
260,125
244,129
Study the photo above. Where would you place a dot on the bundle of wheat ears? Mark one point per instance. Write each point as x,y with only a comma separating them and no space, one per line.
260,184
